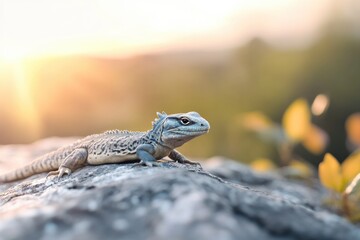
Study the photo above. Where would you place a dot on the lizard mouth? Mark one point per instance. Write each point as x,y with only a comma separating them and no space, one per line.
189,132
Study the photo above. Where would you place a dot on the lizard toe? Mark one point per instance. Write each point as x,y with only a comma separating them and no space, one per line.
149,164
138,164
64,170
157,164
190,162
154,164
52,173
145,163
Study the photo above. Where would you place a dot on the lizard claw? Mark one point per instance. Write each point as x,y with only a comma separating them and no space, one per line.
191,162
64,170
52,173
60,172
138,164
148,164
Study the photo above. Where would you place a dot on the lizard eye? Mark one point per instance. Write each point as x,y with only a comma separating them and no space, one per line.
184,121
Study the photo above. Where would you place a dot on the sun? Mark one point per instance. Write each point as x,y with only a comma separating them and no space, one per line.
11,55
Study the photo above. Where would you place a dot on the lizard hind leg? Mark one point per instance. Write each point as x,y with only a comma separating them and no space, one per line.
74,160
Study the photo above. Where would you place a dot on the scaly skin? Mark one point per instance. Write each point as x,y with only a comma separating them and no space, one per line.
115,146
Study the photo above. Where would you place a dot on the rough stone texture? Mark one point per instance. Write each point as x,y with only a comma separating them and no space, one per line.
171,202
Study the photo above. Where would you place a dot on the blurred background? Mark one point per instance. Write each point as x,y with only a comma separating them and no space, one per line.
73,68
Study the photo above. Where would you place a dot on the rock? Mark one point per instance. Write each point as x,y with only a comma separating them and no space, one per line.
175,201
308,193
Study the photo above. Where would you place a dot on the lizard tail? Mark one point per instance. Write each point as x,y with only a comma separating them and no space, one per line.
38,166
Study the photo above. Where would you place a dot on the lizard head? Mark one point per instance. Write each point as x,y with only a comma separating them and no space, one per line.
177,129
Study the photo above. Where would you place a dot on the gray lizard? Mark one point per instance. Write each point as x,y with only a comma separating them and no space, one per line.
116,146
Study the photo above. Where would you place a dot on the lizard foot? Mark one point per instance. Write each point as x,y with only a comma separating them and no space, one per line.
60,172
191,162
148,164
52,173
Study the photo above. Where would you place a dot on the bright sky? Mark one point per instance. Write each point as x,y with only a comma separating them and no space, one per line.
123,27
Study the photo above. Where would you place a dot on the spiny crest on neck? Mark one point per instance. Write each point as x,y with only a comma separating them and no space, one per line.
157,123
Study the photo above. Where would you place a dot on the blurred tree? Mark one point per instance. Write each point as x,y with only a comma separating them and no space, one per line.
83,95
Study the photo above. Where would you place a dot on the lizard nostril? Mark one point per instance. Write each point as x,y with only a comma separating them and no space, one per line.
201,124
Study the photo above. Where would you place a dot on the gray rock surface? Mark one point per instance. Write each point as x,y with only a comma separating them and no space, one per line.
170,202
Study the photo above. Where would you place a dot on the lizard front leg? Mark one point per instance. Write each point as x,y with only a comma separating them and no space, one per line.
178,157
75,160
145,153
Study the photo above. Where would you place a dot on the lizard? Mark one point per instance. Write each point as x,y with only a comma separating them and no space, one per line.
119,146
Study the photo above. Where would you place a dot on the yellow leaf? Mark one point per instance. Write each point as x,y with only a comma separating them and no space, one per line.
315,140
351,167
262,165
352,126
256,121
305,170
329,173
296,120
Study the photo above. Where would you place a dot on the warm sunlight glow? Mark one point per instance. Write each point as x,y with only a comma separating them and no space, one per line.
115,27
26,112
12,55
118,28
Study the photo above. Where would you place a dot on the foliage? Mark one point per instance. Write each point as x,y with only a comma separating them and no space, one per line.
296,120
330,173
296,128
343,179
352,126
262,164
